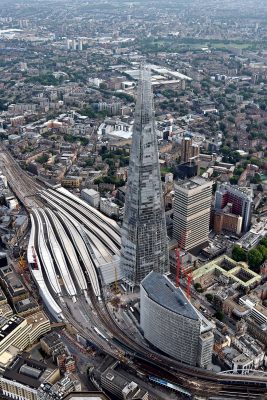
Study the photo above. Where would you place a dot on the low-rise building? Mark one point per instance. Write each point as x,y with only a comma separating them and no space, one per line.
71,181
226,221
24,376
224,269
91,196
12,285
114,381
109,208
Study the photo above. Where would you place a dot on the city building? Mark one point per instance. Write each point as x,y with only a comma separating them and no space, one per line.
57,391
226,270
191,215
172,324
17,332
71,181
186,149
91,196
22,378
240,199
226,221
144,236
12,285
109,208
115,382
189,150
86,396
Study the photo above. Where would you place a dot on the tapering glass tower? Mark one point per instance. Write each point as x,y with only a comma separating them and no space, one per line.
144,235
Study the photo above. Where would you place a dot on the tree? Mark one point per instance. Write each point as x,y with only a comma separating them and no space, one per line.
264,241
239,254
255,259
209,297
263,250
234,180
219,315
198,287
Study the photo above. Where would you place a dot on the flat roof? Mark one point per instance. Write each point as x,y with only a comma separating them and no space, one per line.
161,290
9,325
193,183
27,372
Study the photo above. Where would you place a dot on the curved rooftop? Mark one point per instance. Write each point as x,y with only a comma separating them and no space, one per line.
161,290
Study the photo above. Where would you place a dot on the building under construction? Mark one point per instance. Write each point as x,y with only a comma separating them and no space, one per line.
172,324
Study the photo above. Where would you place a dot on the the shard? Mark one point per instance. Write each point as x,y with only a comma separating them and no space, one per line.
144,234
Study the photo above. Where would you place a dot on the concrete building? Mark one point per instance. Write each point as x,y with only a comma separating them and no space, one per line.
86,396
186,149
24,376
226,221
191,217
109,208
189,149
224,269
17,333
12,285
68,384
91,196
71,182
172,324
116,382
144,236
241,200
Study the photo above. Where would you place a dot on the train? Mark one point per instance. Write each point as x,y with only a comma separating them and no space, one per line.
100,333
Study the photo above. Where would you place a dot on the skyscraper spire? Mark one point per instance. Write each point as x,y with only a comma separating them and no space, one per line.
144,234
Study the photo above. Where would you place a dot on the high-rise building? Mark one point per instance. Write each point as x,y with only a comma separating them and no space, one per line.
189,149
186,149
144,236
191,215
172,324
240,199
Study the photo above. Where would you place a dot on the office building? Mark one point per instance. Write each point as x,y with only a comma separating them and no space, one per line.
114,380
191,215
109,208
24,376
68,384
239,198
144,236
172,324
189,150
226,221
86,396
91,196
12,285
17,333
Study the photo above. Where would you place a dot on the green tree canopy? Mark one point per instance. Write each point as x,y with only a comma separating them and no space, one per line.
239,254
255,259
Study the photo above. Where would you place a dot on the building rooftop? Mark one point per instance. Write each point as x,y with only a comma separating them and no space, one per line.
86,396
12,281
236,271
25,305
193,183
160,289
8,325
27,372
